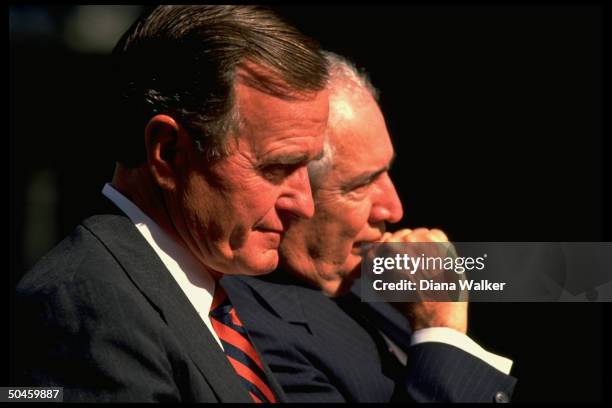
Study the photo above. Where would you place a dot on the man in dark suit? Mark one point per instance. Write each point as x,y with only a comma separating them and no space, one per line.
220,109
321,341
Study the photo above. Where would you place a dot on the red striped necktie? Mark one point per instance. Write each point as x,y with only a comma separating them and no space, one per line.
238,347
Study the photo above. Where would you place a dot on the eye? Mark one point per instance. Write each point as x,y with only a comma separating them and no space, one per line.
363,187
278,172
359,189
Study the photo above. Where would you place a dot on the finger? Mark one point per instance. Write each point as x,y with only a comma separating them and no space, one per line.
402,233
397,236
385,237
417,235
439,235
420,231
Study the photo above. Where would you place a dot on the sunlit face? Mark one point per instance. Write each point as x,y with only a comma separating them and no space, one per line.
232,214
353,201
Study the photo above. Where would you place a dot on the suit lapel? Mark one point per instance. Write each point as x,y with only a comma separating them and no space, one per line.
151,277
285,300
272,382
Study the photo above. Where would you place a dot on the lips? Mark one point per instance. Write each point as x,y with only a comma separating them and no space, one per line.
361,245
272,238
367,241
269,227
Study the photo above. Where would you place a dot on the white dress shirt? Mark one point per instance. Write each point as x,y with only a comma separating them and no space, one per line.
454,338
193,279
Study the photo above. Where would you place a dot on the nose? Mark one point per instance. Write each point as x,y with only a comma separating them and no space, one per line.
297,197
386,205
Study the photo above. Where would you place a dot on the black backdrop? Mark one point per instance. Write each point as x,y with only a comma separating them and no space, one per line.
496,114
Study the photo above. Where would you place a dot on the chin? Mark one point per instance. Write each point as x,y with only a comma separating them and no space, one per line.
331,289
337,288
352,262
263,263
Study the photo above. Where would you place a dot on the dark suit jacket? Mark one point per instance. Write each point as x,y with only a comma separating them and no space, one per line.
323,350
101,316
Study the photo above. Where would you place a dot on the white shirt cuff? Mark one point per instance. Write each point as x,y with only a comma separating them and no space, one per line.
462,341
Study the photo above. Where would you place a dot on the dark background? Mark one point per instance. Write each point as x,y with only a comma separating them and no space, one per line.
496,114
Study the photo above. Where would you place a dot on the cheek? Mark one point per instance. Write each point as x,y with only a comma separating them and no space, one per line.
352,218
246,196
201,216
260,199
211,208
341,223
254,195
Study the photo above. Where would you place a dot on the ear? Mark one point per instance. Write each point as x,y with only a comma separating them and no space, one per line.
163,146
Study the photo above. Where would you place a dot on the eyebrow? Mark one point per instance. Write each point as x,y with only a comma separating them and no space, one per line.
292,159
367,177
287,159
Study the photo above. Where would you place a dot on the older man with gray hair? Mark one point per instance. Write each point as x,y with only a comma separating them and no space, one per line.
321,342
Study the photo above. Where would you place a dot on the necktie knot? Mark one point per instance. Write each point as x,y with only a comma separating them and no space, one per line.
220,303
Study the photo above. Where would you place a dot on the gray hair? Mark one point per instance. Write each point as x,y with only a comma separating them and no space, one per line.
344,77
317,169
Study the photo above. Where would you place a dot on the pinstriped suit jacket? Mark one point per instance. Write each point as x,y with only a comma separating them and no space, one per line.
322,350
101,316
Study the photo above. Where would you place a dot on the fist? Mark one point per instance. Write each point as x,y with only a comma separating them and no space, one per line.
416,235
422,315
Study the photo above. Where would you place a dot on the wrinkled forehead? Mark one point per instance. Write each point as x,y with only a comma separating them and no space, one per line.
270,123
259,90
268,81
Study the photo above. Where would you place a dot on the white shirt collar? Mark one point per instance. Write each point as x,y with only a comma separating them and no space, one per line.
193,279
